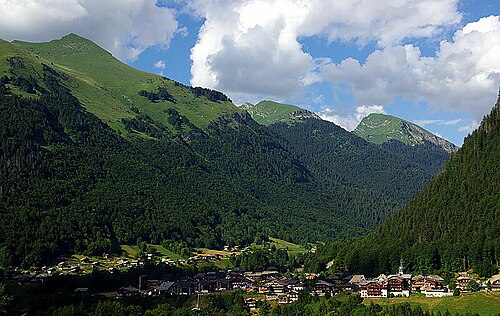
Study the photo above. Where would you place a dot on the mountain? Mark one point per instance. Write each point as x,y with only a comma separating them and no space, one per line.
269,112
452,225
381,128
96,154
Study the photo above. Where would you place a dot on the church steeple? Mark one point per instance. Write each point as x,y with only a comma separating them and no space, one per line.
402,269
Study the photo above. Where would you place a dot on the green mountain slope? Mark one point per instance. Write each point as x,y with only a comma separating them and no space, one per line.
453,224
109,89
382,128
269,112
96,154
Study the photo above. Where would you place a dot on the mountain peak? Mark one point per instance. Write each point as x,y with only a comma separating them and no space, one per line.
380,128
268,112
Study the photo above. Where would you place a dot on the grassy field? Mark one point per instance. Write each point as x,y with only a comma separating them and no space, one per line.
109,88
481,303
292,248
132,251
269,112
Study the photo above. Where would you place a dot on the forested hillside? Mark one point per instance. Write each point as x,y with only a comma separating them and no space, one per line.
453,224
96,154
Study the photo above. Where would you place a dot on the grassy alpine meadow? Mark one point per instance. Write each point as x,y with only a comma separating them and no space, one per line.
483,303
109,88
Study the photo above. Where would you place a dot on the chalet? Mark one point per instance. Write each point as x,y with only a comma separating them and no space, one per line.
373,289
462,282
251,303
398,286
297,286
128,291
335,279
348,287
320,288
436,277
240,282
495,283
293,296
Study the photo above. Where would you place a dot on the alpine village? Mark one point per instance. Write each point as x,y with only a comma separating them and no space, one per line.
123,192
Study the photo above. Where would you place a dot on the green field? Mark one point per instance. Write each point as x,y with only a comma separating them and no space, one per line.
109,89
481,303
292,248
132,251
269,112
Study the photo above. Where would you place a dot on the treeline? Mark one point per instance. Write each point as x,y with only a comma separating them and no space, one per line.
210,94
70,184
161,94
453,224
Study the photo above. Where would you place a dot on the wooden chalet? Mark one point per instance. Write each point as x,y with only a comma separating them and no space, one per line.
373,289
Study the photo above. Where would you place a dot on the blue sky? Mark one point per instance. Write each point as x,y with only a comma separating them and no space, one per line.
433,62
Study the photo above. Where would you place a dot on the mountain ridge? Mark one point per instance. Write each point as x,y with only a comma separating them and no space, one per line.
381,128
268,112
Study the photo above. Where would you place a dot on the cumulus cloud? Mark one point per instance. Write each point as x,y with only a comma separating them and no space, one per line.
126,28
386,22
464,75
160,64
251,46
347,121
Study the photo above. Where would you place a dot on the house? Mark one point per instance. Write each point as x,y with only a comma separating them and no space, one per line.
293,296
495,283
251,303
128,291
373,289
322,287
462,282
398,286
240,282
348,287
335,279
297,286
162,288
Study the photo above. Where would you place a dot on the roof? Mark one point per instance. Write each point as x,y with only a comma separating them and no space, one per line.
436,277
357,278
130,289
165,286
494,278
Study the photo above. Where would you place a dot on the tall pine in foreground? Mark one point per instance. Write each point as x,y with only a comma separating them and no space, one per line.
453,224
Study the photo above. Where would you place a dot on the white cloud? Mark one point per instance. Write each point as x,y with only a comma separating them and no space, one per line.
386,22
469,127
182,31
438,122
347,121
126,28
251,46
160,64
464,75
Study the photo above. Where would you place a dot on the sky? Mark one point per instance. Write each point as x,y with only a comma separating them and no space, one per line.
432,62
